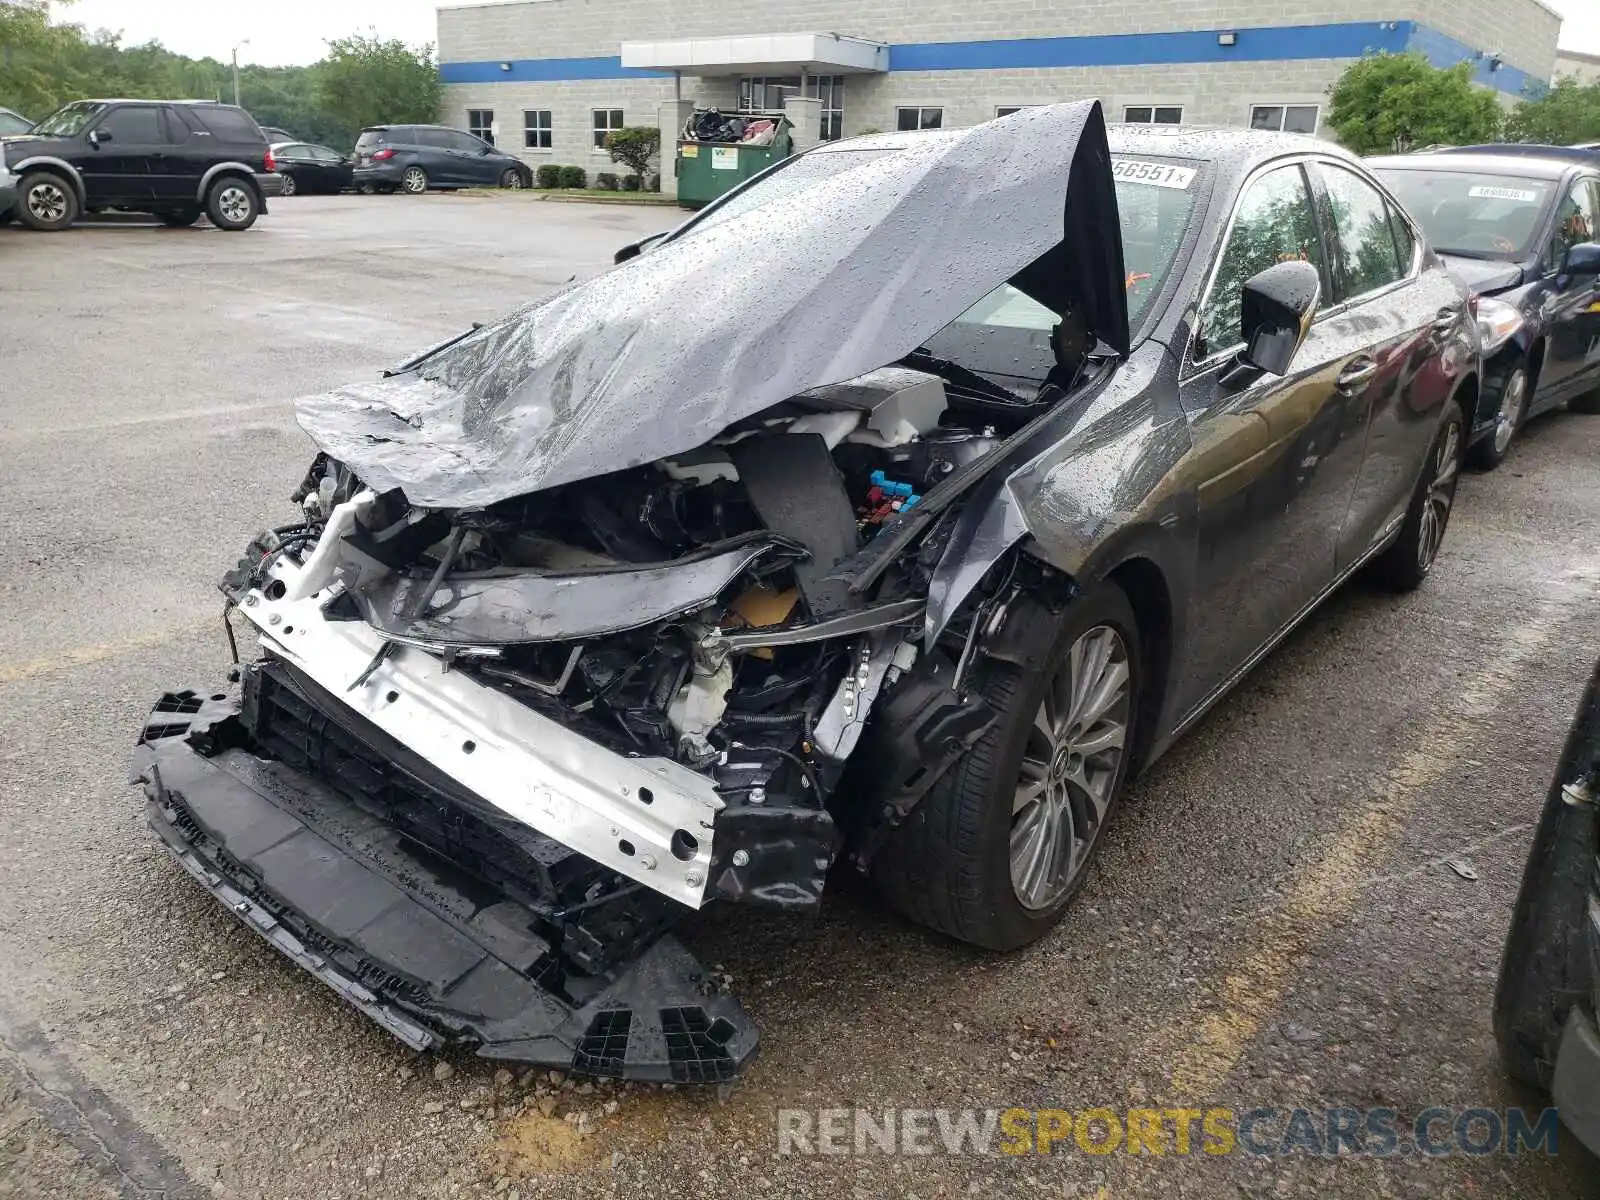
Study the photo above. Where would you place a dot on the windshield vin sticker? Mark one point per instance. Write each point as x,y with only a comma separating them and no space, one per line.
1132,170
1485,192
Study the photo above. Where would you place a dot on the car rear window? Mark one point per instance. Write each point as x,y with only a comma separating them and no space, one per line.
229,124
371,137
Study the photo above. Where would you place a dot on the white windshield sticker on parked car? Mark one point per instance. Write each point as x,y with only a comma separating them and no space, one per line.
1132,170
1485,192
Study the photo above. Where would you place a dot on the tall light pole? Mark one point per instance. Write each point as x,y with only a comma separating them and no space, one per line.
245,42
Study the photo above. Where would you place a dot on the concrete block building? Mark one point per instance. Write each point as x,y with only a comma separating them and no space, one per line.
548,78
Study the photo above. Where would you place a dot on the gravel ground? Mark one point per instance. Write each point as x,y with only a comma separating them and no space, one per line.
1274,920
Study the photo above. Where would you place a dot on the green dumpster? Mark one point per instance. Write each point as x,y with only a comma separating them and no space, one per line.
707,169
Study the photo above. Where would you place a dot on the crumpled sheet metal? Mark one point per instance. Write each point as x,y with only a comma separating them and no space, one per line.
544,606
658,356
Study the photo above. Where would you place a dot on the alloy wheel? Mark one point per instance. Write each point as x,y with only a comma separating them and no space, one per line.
288,185
414,180
1070,767
47,202
1510,414
234,203
511,179
1446,468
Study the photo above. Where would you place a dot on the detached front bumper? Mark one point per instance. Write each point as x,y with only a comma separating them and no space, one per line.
431,950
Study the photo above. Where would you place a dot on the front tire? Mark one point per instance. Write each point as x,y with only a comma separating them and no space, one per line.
232,204
512,179
1404,565
1546,968
1491,451
46,202
998,848
1588,403
414,181
180,218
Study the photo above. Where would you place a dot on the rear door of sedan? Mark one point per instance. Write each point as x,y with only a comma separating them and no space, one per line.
1396,310
1275,458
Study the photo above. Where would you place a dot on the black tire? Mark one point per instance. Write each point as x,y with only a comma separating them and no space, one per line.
949,865
46,202
512,178
8,216
180,218
1588,403
1546,966
1487,454
290,187
414,181
232,204
1405,564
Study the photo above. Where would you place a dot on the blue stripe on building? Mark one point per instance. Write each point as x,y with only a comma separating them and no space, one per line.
1275,43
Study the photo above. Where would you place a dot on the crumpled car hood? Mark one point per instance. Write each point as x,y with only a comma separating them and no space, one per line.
1483,275
659,355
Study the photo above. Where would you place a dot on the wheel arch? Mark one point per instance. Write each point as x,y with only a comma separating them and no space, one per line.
217,170
60,166
1150,595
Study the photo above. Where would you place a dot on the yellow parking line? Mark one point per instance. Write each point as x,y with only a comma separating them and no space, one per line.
1205,1049
83,656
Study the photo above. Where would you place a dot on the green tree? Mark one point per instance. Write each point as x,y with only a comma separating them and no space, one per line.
368,81
634,147
1397,102
1569,112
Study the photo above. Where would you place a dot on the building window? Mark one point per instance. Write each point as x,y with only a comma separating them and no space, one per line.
766,93
480,123
1287,118
1153,114
536,128
919,118
606,120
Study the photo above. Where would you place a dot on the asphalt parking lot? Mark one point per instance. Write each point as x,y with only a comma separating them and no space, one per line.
1302,904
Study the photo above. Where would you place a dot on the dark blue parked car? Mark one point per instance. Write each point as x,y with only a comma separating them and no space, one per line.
1519,227
414,158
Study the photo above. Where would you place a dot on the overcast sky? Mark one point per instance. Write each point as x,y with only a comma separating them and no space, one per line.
294,31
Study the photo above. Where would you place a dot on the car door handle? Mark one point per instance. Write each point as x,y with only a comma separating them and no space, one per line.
1354,378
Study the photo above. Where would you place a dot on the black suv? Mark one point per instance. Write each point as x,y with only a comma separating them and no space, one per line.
175,159
414,158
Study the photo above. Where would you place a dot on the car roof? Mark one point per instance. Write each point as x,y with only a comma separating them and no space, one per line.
1237,149
1583,155
1525,166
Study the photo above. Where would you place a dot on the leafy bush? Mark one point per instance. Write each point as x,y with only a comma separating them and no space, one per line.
633,147
630,183
606,181
549,175
654,185
1391,103
574,177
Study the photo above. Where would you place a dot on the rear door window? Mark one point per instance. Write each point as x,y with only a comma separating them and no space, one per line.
1368,257
438,139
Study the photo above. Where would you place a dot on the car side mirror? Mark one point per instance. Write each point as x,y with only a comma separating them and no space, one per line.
96,136
1275,311
1582,259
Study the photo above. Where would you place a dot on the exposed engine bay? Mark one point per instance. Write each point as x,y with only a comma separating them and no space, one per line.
595,615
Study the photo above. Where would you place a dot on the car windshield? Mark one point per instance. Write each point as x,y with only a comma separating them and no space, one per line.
1472,214
1154,205
69,121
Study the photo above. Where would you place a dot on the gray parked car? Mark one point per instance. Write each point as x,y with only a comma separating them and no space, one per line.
414,158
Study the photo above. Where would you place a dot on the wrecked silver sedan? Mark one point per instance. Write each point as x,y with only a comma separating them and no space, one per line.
889,522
